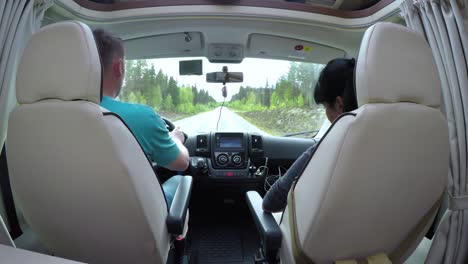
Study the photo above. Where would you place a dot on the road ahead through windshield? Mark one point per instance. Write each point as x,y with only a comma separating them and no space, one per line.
206,122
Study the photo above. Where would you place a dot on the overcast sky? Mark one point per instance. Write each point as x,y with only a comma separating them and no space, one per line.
256,73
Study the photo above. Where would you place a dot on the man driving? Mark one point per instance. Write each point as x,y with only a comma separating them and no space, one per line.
161,146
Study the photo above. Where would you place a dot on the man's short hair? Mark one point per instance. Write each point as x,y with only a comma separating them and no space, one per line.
108,46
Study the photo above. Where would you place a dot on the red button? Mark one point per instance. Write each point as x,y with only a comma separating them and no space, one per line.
229,173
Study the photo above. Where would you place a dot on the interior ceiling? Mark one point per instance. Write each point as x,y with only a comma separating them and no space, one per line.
347,5
159,33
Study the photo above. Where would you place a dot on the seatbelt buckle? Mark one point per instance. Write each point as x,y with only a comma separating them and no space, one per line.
178,247
259,257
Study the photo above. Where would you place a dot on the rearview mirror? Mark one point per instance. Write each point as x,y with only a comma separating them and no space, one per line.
191,67
224,77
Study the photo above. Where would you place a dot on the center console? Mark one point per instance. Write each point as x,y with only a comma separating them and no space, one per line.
226,155
230,151
225,165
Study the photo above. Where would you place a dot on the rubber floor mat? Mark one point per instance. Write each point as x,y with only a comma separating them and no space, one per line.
220,245
229,241
221,233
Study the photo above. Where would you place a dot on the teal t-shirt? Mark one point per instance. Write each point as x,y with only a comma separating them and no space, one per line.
148,127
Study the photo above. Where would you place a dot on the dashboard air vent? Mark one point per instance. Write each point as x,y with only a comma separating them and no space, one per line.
202,142
257,142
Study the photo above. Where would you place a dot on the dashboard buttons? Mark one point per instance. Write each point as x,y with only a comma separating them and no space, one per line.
201,163
222,159
223,174
236,159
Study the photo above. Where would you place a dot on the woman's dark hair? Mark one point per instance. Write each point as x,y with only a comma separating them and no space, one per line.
337,79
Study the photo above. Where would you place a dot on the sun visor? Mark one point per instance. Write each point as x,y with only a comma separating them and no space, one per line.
276,47
183,44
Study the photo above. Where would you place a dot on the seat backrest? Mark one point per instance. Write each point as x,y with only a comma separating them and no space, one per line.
81,178
380,169
13,255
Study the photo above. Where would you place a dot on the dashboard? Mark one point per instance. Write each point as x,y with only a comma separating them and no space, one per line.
239,156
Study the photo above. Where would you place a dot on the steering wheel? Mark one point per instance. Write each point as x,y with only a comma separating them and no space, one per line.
170,126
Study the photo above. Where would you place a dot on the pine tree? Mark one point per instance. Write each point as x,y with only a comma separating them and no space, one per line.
173,91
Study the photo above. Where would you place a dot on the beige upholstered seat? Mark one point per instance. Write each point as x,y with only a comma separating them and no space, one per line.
380,169
13,255
79,175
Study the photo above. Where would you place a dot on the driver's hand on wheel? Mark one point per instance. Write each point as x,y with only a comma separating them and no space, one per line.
177,134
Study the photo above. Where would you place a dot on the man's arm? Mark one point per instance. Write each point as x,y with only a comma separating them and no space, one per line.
163,147
181,163
277,197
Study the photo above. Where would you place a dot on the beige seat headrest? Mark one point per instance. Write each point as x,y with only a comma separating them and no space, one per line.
61,61
394,65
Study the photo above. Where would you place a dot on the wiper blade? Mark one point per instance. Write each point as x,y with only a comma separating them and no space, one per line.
303,133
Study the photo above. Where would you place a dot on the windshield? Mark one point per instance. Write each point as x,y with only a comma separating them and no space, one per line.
275,97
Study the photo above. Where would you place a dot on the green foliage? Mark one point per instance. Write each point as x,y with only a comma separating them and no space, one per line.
185,101
250,99
304,76
300,101
284,121
293,90
168,105
173,91
144,86
156,96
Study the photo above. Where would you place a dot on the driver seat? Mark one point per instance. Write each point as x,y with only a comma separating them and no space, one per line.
79,175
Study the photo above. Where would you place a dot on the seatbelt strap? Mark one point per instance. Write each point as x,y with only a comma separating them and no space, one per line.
298,254
7,196
5,238
381,258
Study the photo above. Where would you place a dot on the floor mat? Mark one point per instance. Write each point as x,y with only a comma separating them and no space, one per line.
229,237
219,245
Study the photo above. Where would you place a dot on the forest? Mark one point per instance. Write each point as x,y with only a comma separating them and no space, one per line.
162,92
144,86
292,90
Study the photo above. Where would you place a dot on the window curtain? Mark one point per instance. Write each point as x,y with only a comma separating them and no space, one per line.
18,20
444,23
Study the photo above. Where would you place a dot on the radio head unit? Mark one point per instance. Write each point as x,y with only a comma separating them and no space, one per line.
230,150
229,141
